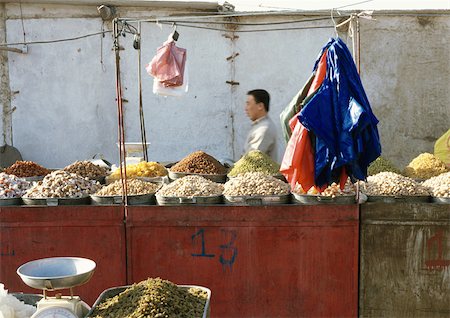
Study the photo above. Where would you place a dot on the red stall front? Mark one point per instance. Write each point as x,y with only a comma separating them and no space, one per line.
258,261
94,232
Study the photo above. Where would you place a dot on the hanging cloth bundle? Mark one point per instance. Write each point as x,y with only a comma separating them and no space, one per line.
334,135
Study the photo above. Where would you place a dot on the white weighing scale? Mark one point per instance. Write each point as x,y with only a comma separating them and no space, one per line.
134,152
58,273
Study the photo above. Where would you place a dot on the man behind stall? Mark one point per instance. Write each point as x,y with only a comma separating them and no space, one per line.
262,135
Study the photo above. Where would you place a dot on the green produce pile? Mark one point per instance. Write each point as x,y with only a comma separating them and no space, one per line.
255,161
153,297
425,166
382,165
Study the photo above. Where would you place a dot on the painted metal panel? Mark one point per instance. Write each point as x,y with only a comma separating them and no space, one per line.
405,260
279,261
98,233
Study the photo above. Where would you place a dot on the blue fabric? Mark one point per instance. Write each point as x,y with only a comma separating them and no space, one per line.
341,118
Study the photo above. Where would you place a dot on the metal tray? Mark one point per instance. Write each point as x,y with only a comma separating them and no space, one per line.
28,299
57,272
57,201
163,200
257,199
397,199
441,200
323,199
140,199
10,201
111,292
219,178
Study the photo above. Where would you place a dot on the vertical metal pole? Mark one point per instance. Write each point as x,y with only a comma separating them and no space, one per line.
141,110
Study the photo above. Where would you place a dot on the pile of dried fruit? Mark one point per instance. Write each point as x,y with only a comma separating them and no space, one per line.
255,184
134,187
191,186
199,162
62,184
12,186
382,165
255,161
153,297
142,169
392,184
26,169
86,169
439,186
332,190
425,166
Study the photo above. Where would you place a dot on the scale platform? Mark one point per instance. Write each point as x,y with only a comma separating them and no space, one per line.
58,273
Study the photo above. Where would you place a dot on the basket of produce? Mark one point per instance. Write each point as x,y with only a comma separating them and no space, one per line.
256,188
331,195
256,161
439,188
138,193
11,189
201,164
61,188
191,189
391,187
87,169
153,297
147,171
28,170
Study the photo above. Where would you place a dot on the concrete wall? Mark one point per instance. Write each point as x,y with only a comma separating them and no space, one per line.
66,107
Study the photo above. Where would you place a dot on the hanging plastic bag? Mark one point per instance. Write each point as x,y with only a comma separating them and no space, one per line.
178,91
442,148
168,65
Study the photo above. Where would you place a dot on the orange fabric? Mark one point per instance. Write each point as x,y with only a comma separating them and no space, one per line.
297,165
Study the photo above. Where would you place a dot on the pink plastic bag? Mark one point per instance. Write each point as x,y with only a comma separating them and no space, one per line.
167,66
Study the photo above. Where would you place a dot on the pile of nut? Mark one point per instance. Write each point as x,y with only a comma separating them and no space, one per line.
255,161
425,166
12,186
142,169
392,184
439,186
62,184
86,169
191,186
153,297
24,169
255,184
382,164
199,162
332,190
134,187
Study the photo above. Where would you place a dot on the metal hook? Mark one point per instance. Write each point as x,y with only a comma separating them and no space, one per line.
175,34
334,23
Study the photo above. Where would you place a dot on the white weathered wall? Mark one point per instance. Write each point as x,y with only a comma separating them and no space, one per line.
66,107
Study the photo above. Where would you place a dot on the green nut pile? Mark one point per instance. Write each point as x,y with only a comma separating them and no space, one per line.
255,161
153,297
392,184
382,165
191,186
425,166
439,186
255,184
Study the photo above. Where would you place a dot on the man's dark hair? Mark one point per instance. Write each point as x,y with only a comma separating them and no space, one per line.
261,96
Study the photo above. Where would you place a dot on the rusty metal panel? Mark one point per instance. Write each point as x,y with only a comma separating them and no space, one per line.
98,233
278,261
405,260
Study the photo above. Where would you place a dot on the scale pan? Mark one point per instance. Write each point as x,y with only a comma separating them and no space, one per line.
57,272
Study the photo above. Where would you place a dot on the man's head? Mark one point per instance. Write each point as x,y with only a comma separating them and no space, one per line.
257,104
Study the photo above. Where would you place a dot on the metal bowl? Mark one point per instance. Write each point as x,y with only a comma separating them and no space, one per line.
57,272
57,201
164,200
141,199
10,201
219,178
257,199
441,200
111,292
322,199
